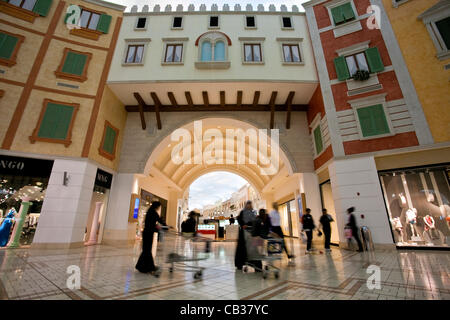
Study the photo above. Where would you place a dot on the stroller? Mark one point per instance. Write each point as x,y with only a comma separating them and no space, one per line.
265,250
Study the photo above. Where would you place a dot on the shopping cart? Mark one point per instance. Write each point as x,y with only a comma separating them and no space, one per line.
179,262
266,250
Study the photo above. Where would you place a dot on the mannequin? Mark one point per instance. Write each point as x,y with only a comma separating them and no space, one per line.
398,227
411,219
5,228
432,235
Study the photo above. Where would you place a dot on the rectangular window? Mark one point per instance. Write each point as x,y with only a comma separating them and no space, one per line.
74,65
443,27
134,53
25,4
318,140
141,23
369,60
9,47
174,53
356,62
252,53
342,13
109,141
373,121
89,20
177,22
214,22
291,53
250,22
55,122
287,23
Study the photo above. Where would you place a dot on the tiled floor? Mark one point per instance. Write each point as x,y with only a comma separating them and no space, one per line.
108,272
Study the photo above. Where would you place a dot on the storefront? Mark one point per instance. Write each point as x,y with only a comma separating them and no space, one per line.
418,204
98,208
23,180
289,218
140,206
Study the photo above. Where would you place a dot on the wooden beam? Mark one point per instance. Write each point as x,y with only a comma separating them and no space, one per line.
157,107
256,98
217,107
172,99
289,108
239,99
205,98
272,109
189,99
222,99
141,106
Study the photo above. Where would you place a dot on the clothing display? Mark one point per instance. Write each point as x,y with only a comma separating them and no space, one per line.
5,228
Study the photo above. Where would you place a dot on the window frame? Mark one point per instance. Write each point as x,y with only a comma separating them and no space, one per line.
68,140
295,41
101,151
396,4
245,22
316,123
173,41
136,46
340,3
282,23
356,61
13,59
84,9
213,37
174,45
218,22
22,3
18,12
85,32
442,52
252,45
137,22
173,21
135,42
68,76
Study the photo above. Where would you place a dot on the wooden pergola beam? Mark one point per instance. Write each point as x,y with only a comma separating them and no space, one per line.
157,107
272,108
256,98
289,108
222,99
172,99
217,107
141,107
239,99
205,98
189,98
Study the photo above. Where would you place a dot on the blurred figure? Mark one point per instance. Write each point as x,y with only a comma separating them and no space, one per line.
231,220
275,221
189,225
308,227
353,227
261,225
325,221
245,219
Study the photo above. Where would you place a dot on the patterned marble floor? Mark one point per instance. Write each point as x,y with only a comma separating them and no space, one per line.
107,272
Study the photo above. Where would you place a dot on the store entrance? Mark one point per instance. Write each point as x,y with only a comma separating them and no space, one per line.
289,218
23,182
142,204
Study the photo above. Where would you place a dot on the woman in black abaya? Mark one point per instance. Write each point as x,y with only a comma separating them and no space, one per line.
153,223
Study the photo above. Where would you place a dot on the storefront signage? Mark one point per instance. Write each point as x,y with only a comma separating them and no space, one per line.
103,179
25,166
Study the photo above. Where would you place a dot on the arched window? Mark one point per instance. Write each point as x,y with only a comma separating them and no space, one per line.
206,53
219,51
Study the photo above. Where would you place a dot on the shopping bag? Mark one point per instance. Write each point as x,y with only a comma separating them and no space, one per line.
348,233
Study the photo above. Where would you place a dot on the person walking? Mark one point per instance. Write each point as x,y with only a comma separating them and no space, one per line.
308,227
189,225
152,224
260,228
231,219
275,221
325,221
353,227
245,220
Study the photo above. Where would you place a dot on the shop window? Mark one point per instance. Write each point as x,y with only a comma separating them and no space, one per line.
109,141
55,122
174,53
250,22
252,52
318,143
369,60
26,10
9,47
92,23
291,53
141,24
417,201
372,121
74,65
177,23
286,23
134,53
343,13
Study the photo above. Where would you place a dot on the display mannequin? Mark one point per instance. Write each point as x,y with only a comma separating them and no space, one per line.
432,235
398,227
411,219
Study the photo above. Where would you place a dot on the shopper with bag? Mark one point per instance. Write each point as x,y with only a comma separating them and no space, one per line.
353,228
275,222
325,221
245,220
308,228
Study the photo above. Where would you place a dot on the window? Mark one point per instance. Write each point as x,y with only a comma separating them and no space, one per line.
9,47
252,53
55,122
89,19
206,54
369,60
291,53
27,10
318,140
250,22
25,4
287,23
74,65
342,13
213,51
174,53
177,23
134,53
109,141
92,23
443,27
372,121
219,51
214,22
141,23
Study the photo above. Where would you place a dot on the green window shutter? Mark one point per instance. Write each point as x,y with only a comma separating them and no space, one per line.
337,14
110,139
341,68
56,121
42,7
7,45
103,23
318,140
374,60
74,63
347,11
373,121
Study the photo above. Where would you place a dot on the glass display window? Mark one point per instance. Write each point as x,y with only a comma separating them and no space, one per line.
418,205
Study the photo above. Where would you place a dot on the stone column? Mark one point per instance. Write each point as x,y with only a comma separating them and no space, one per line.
309,185
18,226
94,227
